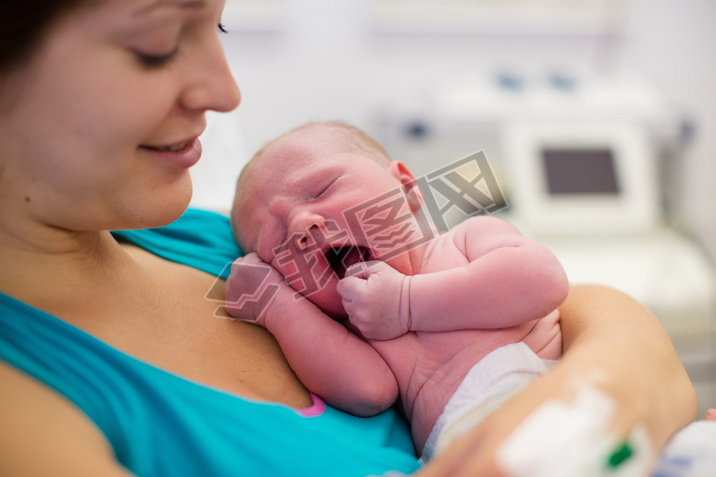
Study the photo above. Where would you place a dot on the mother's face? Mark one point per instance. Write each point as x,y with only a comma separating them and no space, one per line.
101,127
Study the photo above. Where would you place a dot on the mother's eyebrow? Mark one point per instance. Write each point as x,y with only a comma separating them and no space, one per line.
184,4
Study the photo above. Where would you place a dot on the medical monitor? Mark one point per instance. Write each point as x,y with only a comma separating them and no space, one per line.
581,177
578,171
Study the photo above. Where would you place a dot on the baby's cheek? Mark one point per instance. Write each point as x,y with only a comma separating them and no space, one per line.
329,301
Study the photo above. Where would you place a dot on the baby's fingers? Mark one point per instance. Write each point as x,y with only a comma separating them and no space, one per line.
358,270
350,286
250,259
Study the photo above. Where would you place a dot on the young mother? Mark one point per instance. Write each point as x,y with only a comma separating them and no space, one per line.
111,361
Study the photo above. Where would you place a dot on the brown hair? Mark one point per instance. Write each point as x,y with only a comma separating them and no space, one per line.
24,25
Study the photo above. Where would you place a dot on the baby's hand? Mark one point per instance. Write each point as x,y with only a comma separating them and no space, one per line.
376,299
251,288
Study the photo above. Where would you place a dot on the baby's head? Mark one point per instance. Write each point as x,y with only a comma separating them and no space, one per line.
336,136
276,164
293,196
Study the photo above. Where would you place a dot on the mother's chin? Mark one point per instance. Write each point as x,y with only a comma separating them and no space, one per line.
157,206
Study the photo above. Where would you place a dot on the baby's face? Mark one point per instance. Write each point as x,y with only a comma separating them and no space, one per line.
296,208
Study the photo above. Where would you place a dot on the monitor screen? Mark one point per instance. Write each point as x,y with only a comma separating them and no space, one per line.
572,171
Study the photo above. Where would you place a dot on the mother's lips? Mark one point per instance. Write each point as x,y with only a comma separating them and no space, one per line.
178,155
174,148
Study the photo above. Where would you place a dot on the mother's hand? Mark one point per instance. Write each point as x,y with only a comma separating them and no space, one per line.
612,344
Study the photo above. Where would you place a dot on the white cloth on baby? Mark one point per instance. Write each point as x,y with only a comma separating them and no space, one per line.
488,384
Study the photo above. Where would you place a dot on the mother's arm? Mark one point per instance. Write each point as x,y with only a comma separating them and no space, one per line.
42,433
612,343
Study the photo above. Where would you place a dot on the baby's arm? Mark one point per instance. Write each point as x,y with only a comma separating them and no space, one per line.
330,360
509,279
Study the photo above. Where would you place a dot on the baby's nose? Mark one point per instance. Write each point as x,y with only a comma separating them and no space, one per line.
307,238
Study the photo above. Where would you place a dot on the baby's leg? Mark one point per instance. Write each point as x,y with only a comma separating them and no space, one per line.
711,415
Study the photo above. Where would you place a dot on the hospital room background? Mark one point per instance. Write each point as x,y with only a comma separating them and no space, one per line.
597,118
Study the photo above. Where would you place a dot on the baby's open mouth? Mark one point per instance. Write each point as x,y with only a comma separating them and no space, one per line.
340,258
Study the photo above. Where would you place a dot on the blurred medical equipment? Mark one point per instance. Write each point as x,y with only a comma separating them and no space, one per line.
582,166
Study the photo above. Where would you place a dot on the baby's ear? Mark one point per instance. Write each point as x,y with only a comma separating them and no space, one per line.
410,186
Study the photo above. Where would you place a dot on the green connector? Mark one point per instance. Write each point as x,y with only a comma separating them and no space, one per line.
621,454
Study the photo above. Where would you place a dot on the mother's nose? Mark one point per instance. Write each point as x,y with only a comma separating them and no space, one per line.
210,83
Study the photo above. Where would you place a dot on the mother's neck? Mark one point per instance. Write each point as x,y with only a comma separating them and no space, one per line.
39,259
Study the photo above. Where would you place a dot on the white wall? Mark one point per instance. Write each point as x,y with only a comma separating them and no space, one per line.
671,42
324,61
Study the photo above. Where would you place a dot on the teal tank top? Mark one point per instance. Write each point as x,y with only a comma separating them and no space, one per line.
161,424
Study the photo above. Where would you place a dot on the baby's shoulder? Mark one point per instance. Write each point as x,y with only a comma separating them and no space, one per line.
479,229
484,225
